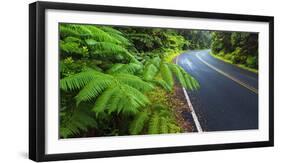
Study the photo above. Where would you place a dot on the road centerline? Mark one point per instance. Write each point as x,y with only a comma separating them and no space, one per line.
227,75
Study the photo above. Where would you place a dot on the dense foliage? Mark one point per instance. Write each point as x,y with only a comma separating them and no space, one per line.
197,39
115,80
238,47
108,76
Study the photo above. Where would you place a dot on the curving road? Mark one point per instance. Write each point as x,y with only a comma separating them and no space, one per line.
228,95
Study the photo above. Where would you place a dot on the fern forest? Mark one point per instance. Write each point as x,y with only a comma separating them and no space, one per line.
117,80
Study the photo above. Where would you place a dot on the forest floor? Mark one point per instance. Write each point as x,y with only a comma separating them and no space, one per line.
181,110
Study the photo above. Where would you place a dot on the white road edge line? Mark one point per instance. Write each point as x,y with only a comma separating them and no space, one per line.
194,116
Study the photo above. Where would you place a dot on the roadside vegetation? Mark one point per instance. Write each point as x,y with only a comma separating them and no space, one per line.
239,48
116,80
123,81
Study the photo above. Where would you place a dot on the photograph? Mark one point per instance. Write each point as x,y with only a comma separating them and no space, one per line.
110,81
140,80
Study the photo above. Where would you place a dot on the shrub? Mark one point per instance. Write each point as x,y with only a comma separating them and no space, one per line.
235,59
228,56
252,62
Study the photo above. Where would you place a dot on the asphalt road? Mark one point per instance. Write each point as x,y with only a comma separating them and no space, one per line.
228,95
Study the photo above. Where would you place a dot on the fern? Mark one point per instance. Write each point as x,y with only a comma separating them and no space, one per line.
166,74
150,71
162,121
138,123
105,49
125,89
134,81
73,123
77,81
73,48
154,124
116,34
162,74
130,68
185,79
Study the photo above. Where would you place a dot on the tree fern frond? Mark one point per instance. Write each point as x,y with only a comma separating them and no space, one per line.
103,99
138,123
150,72
130,68
94,88
155,61
73,48
167,74
138,99
121,98
101,35
162,84
153,127
75,122
185,79
73,39
174,128
134,81
104,49
76,81
110,30
116,34
163,128
75,30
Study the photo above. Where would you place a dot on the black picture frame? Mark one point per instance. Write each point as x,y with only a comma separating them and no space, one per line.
37,80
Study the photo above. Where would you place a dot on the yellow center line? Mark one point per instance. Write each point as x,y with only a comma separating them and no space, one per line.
229,76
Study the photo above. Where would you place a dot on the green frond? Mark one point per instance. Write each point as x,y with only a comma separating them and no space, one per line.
155,61
164,129
110,30
101,35
162,84
75,31
72,48
73,39
116,34
130,68
95,87
134,81
77,81
65,31
75,122
105,49
121,98
150,71
138,123
153,127
103,99
185,79
174,128
166,74
162,121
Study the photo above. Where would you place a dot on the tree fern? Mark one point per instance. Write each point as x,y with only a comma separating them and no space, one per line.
163,73
138,123
105,49
153,127
150,72
116,34
75,122
130,68
77,81
73,48
166,74
124,89
162,121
